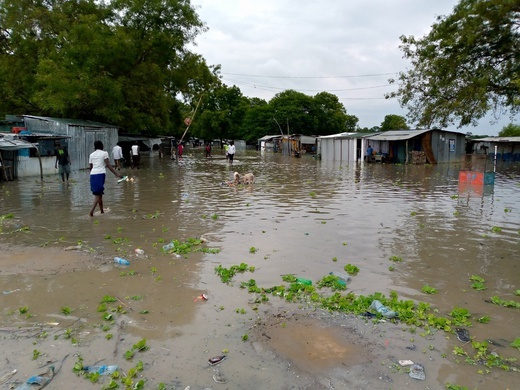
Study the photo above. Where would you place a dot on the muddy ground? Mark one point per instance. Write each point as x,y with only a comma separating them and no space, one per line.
288,346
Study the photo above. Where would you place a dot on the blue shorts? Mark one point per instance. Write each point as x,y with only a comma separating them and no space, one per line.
97,184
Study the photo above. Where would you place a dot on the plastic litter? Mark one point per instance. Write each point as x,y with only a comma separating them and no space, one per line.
343,279
7,376
417,372
169,246
124,178
101,370
462,335
201,297
307,282
139,251
382,309
216,360
40,380
10,291
120,260
405,362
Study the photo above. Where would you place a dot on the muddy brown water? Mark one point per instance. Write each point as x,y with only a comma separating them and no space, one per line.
299,215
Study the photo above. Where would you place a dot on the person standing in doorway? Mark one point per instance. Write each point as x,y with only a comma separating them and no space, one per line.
136,156
117,155
98,161
370,151
231,151
62,161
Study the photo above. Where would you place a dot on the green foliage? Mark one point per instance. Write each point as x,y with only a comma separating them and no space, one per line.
253,250
499,301
477,282
511,130
516,343
463,68
461,316
429,290
226,274
351,269
394,122
395,259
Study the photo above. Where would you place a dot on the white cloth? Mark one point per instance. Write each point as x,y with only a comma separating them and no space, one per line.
135,150
97,159
117,152
231,149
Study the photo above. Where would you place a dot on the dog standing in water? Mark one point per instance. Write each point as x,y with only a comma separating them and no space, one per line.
248,179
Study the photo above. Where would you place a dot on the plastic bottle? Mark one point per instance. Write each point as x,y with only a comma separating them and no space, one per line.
307,282
169,246
101,370
139,251
343,279
382,309
119,260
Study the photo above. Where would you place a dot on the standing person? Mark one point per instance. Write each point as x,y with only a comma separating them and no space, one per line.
370,151
231,151
63,161
136,156
98,161
208,150
117,155
180,148
226,147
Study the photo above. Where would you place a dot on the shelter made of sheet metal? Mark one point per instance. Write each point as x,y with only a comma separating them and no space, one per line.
346,147
10,144
78,136
507,148
437,146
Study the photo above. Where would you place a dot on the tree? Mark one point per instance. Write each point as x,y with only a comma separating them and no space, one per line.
465,67
511,130
394,122
123,62
331,116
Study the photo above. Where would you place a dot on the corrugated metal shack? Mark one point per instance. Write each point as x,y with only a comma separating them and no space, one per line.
419,146
80,135
508,148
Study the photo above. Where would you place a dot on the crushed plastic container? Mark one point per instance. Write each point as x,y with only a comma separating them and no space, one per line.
382,309
120,260
343,279
101,370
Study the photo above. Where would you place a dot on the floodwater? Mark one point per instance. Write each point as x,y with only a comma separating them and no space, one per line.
302,217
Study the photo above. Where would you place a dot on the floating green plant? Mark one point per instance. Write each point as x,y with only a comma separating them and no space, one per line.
499,301
516,343
312,194
395,259
253,250
66,310
428,289
477,282
351,269
334,259
496,229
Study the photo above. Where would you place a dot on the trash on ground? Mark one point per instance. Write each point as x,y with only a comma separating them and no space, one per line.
412,347
73,248
216,360
40,380
201,297
10,291
124,178
417,372
343,279
305,281
405,362
7,376
462,335
139,251
101,370
119,260
219,378
169,246
382,309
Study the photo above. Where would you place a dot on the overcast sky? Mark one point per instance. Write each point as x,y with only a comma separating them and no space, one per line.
349,48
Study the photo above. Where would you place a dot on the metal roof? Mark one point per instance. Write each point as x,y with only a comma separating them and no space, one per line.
8,142
73,122
397,135
268,137
497,139
344,135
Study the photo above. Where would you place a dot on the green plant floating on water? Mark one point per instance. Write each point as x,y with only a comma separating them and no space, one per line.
517,292
516,343
477,282
429,290
226,274
66,310
351,269
499,301
484,319
496,229
461,316
253,250
395,259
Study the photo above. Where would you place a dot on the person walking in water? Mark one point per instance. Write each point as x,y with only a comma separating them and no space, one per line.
136,156
62,161
231,151
117,155
180,148
98,161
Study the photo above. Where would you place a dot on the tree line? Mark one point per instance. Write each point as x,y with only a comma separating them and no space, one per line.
127,63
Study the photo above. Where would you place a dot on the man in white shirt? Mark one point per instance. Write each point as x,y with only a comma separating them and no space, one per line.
98,161
231,151
117,155
136,157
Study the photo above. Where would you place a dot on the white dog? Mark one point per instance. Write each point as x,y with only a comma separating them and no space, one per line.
248,178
